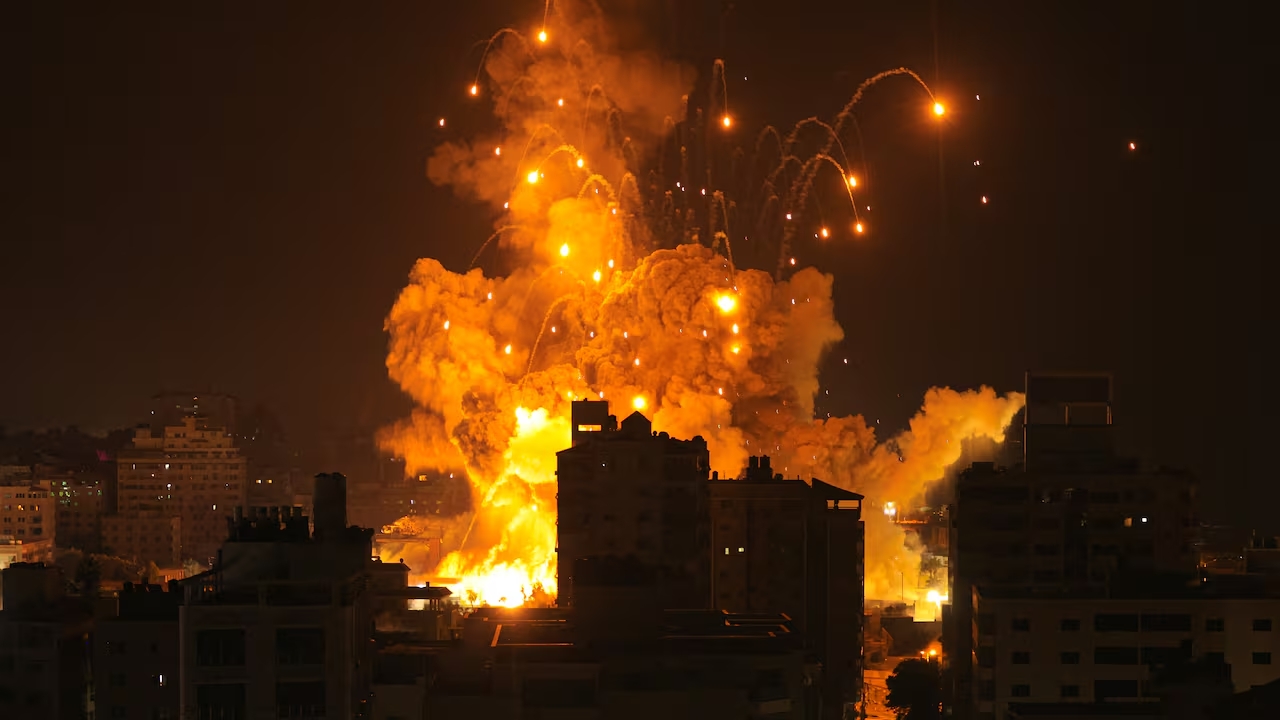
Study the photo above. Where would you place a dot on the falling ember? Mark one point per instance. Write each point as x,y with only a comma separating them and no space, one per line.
858,227
542,36
853,181
638,402
560,102
735,349
1133,146
726,303
984,199
610,264
793,261
735,328
475,90
446,324
726,121
720,391
507,349
825,233
596,276
788,216
938,109
497,151
441,122
582,162
564,250
637,362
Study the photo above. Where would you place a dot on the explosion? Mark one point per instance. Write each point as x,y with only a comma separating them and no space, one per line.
612,294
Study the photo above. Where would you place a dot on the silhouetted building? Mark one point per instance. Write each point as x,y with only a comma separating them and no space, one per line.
135,655
1071,518
282,625
194,472
617,654
171,409
44,646
631,492
797,548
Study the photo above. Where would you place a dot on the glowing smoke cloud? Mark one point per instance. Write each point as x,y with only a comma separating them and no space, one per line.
590,311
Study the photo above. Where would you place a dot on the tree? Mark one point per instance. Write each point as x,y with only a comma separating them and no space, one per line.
915,690
88,575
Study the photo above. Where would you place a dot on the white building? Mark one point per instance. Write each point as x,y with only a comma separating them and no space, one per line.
1070,648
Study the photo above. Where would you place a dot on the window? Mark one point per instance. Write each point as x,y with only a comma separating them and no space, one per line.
1070,691
1115,656
1070,625
221,647
1070,657
1262,658
1262,624
1113,622
300,699
300,646
225,701
1020,691
1106,689
1020,657
1021,625
1215,624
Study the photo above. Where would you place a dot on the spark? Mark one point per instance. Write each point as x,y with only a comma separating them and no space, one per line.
977,163
720,390
506,206
497,151
938,109
736,349
560,102
977,97
610,264
1133,146
793,261
858,227
542,36
890,509
726,303
984,199
582,162
726,121
636,362
507,349
441,122
638,402
596,276
735,328
475,90
601,394
553,328
825,233
532,177
788,216
564,250
853,181
446,324
614,211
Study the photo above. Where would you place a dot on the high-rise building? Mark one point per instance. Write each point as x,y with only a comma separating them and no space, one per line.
794,547
79,504
193,471
626,491
1071,516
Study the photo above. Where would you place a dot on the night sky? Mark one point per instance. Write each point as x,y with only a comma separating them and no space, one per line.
230,196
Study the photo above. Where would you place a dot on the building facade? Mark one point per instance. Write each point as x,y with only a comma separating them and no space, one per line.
193,472
28,512
44,646
1073,648
625,491
135,656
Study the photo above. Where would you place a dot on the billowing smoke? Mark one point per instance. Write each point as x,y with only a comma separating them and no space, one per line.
591,310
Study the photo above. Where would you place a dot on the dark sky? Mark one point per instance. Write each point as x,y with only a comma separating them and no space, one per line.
230,196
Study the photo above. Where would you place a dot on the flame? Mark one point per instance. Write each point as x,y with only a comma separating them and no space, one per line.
496,419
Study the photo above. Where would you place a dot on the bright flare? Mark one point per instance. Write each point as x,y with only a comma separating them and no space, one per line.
938,109
638,402
441,122
1133,146
857,227
581,162
726,303
560,102
507,349
726,121
532,177
542,36
853,181
825,233
475,90
596,276
497,151
564,250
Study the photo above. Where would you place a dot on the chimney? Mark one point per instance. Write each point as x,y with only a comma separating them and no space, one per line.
330,506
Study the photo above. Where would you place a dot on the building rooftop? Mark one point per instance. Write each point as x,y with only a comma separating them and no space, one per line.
1152,586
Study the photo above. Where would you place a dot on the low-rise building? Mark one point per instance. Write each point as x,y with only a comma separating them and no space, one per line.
135,656
1110,646
28,512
